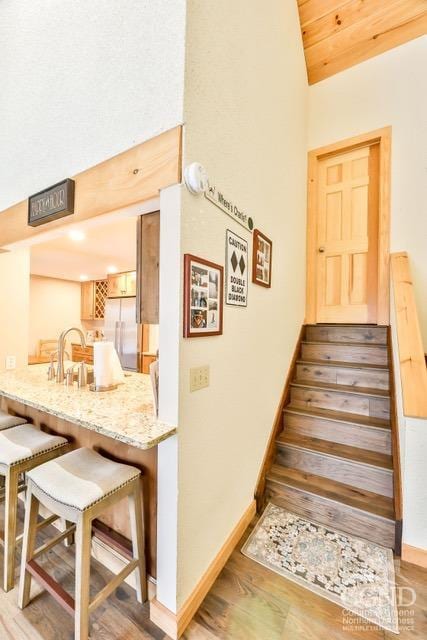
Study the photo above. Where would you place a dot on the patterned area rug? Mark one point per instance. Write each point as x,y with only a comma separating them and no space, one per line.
356,574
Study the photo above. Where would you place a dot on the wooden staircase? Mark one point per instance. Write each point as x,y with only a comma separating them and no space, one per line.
333,457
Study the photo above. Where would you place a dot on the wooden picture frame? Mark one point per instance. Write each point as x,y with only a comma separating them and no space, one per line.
262,252
203,297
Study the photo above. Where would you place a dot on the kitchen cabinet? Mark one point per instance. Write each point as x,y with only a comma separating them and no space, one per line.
93,295
122,285
148,257
87,300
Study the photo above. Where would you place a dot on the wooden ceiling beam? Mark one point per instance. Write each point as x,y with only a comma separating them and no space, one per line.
338,34
340,19
368,48
313,10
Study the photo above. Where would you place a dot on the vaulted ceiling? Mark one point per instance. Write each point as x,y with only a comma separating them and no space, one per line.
338,34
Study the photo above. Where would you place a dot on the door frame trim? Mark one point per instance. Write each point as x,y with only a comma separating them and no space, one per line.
383,138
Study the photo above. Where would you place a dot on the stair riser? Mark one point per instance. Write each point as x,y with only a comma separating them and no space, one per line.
368,335
343,433
340,401
362,476
342,375
329,512
344,353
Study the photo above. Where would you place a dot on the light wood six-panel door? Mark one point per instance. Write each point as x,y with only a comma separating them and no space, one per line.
347,237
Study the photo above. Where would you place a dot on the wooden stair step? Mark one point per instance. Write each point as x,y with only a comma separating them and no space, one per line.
366,401
374,503
362,334
362,468
351,375
350,365
375,354
337,450
345,428
342,388
340,416
341,506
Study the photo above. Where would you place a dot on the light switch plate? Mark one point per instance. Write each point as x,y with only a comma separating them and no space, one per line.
10,362
199,378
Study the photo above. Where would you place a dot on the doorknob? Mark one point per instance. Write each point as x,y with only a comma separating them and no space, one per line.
321,249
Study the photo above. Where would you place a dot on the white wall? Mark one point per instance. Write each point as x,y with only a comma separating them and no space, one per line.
245,115
81,82
54,306
389,89
415,483
14,306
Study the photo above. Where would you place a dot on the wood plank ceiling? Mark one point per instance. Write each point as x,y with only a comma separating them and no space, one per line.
338,34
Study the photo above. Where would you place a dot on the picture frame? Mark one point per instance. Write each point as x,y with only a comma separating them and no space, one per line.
236,270
262,251
203,297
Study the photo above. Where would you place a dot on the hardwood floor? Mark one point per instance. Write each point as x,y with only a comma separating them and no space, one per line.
247,602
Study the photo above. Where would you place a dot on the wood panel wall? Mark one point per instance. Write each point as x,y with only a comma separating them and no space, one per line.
134,176
338,34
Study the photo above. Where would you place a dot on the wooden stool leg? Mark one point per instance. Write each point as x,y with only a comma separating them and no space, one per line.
11,503
83,548
136,515
28,546
69,540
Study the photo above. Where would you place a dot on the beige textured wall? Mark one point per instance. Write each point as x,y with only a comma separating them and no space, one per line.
245,115
14,305
54,306
387,90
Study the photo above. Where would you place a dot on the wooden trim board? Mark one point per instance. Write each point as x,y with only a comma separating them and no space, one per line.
175,624
414,555
413,372
395,450
134,176
277,425
383,138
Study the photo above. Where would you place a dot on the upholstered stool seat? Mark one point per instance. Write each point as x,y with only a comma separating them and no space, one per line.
80,478
78,487
7,421
21,449
25,441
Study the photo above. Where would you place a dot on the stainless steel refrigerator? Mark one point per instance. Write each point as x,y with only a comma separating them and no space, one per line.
123,331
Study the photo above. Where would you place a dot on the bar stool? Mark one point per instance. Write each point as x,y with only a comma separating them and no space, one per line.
7,421
21,449
78,487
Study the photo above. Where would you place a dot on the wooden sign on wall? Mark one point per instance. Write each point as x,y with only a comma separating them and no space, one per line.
52,203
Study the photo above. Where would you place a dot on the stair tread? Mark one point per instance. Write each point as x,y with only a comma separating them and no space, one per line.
346,494
343,451
341,388
369,345
351,325
340,416
349,365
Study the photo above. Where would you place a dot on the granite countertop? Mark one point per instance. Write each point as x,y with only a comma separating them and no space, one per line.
125,414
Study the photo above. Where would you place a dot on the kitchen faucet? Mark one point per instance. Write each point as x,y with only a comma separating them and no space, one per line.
60,374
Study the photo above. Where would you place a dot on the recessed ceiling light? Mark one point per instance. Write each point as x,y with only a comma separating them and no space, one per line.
76,235
112,269
84,277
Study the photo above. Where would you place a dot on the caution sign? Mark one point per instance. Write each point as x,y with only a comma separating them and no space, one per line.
236,269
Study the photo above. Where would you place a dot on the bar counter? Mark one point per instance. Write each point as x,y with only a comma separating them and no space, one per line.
120,424
125,414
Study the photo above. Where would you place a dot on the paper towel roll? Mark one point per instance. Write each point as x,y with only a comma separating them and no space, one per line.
106,364
103,363
118,375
